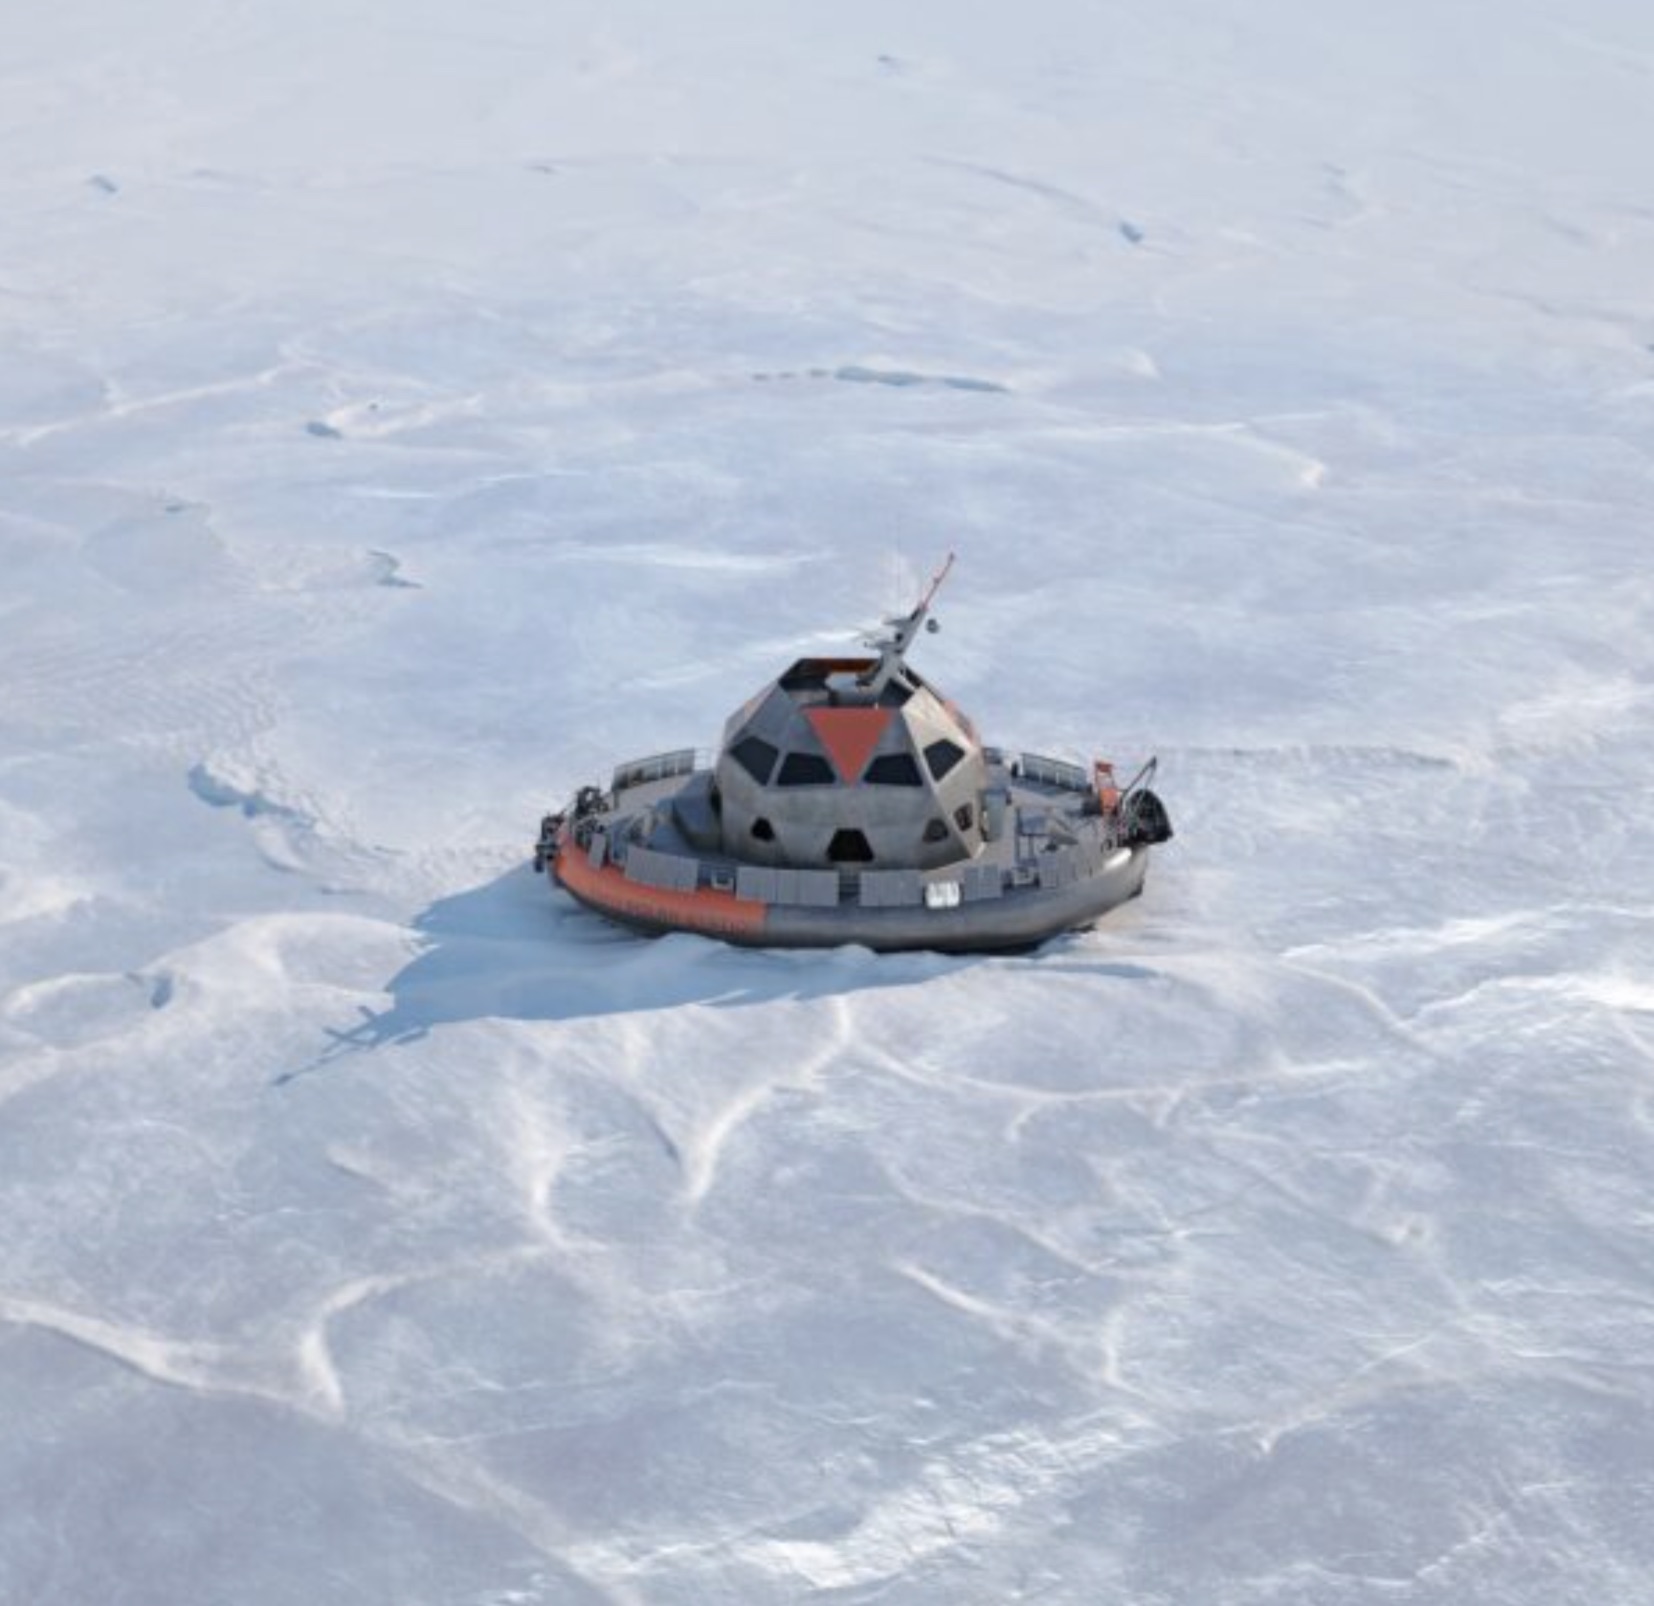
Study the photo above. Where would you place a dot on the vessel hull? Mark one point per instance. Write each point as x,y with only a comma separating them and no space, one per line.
1019,920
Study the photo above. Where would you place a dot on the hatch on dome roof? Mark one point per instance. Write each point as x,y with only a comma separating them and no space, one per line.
810,674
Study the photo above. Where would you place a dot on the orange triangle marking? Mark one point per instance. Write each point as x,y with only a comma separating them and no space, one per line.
850,735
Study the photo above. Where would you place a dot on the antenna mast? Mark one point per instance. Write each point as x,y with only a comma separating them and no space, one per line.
900,631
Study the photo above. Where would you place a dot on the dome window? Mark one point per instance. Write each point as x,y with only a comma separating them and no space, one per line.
756,756
805,769
850,847
942,756
893,769
935,831
763,830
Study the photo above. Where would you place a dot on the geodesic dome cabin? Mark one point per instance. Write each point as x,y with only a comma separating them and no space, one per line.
851,763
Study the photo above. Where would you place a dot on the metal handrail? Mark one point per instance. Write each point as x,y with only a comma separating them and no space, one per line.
656,767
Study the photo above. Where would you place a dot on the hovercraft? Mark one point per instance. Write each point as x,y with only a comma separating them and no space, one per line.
852,802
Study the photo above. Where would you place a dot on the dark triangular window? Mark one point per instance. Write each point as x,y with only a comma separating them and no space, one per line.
850,847
756,757
942,756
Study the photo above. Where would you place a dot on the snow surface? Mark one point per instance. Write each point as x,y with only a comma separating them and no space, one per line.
407,410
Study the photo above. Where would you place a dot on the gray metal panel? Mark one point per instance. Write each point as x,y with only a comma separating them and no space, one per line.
818,888
691,807
982,881
891,889
599,849
1059,869
646,868
672,872
996,809
786,886
755,882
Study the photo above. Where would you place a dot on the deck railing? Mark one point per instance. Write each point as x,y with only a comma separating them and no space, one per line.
656,767
1043,771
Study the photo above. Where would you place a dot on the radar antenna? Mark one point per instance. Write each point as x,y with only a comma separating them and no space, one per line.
892,644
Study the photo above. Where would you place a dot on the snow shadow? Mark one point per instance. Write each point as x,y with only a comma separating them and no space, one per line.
513,950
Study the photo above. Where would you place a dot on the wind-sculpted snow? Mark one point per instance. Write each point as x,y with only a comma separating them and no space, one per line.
407,412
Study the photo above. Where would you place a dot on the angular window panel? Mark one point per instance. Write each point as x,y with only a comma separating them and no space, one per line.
805,769
850,847
893,769
756,756
942,756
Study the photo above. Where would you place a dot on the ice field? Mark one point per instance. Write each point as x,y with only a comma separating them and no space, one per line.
408,411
